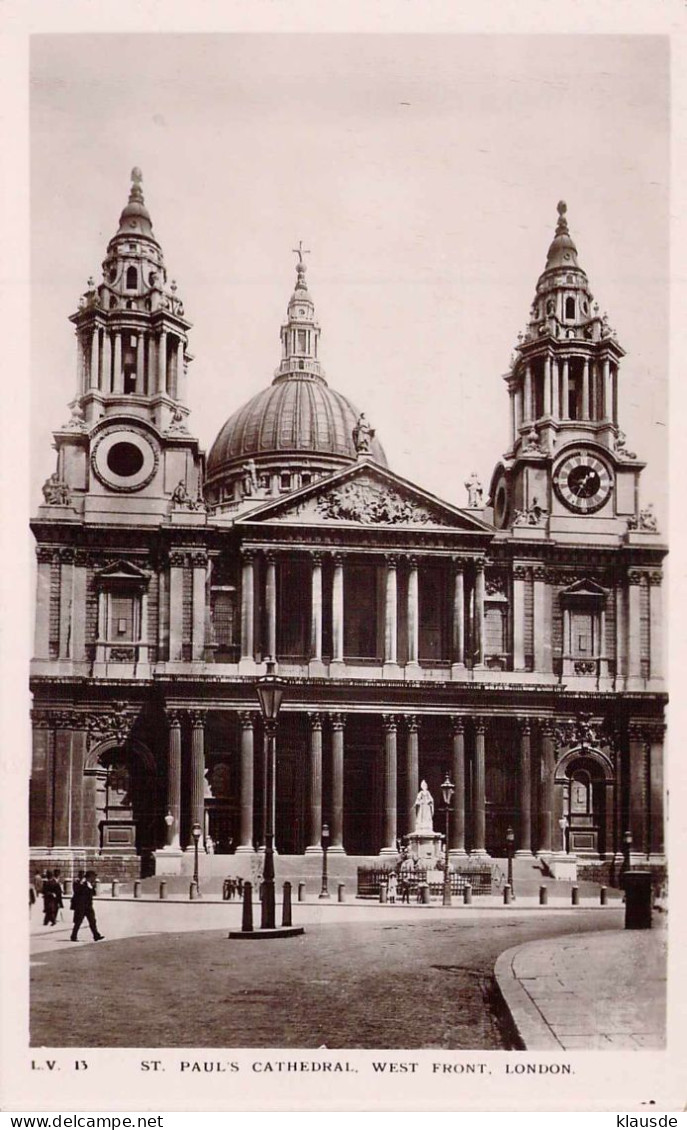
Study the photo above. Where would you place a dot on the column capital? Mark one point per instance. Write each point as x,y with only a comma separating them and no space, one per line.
45,554
412,559
199,559
458,564
338,721
316,556
520,572
413,723
197,718
270,556
525,724
315,719
391,560
247,719
42,719
247,555
177,559
173,717
547,727
655,578
636,577
539,573
480,563
338,559
390,723
480,725
457,724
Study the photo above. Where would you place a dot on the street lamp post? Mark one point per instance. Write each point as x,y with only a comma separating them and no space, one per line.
270,693
510,844
324,893
447,791
627,849
196,832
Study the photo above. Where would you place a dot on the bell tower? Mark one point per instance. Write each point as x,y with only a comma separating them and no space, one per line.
126,453
567,471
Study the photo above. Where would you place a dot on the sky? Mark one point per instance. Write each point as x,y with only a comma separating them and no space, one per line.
421,171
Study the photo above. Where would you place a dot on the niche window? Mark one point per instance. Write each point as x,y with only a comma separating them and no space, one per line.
570,308
131,278
122,613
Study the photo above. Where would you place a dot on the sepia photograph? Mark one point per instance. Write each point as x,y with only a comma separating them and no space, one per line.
349,534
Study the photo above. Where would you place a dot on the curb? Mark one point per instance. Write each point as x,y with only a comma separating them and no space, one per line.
532,1031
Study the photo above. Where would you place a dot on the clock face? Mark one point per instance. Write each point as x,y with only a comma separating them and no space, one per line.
583,482
124,459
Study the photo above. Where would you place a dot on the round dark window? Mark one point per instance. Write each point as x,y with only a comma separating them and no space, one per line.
124,459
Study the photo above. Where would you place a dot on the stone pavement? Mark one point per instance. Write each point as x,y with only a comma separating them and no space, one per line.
592,991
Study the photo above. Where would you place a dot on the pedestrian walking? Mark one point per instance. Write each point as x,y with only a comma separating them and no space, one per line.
82,904
405,889
52,899
392,887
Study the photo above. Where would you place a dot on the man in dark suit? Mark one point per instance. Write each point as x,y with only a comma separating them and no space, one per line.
82,905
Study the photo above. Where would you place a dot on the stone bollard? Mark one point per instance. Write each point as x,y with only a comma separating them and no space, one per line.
467,894
342,892
507,895
543,896
163,889
286,906
137,888
383,891
603,896
301,892
115,889
247,915
193,891
575,896
423,888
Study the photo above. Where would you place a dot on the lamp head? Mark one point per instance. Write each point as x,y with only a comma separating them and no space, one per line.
510,836
447,790
169,819
196,832
270,690
325,831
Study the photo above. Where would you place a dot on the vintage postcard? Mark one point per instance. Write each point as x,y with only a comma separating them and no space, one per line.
337,753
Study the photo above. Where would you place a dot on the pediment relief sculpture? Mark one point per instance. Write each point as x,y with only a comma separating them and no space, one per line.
371,504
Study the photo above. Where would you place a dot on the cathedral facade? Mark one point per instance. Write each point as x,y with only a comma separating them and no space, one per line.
514,643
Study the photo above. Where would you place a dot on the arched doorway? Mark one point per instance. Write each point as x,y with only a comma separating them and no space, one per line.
122,786
584,779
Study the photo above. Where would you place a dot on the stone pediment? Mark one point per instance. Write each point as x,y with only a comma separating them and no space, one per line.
585,588
365,496
121,572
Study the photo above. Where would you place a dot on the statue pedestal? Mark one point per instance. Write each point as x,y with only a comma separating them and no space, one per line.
426,847
563,866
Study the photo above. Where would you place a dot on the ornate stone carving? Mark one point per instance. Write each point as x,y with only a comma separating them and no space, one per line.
247,719
534,515
412,723
174,718
655,579
475,492
249,479
496,584
620,446
457,724
315,719
114,721
390,723
181,499
645,521
197,718
520,572
539,573
636,577
77,420
371,504
177,559
531,444
584,666
56,492
199,559
338,721
178,423
45,554
579,731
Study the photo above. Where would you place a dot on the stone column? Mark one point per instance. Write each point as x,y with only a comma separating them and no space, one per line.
338,724
62,779
197,771
513,415
478,790
413,611
565,389
525,845
638,789
140,364
655,626
555,389
412,770
66,602
656,841
81,375
174,779
41,644
520,576
42,775
614,382
316,608
528,394
548,769
78,648
118,371
106,371
608,392
390,616
271,604
95,359
390,784
548,382
199,562
181,373
162,362
457,845
634,666
620,625
247,605
338,610
542,621
177,561
478,649
315,784
458,618
247,724
585,389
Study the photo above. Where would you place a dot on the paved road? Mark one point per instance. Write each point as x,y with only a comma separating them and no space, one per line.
363,980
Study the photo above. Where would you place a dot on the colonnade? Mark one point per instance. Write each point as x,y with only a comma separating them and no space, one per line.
597,398
159,361
467,578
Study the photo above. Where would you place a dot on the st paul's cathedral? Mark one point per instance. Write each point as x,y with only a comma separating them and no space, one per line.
514,643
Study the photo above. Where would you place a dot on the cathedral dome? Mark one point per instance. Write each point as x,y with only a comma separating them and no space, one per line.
297,429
